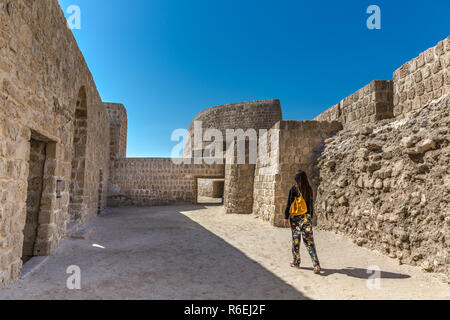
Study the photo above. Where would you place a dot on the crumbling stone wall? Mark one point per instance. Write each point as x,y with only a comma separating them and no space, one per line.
388,187
42,73
385,183
367,105
156,181
299,145
422,79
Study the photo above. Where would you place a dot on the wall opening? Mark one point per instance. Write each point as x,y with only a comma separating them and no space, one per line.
36,162
209,190
77,204
42,200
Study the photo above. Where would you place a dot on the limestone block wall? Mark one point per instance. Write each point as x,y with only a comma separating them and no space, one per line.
368,105
238,189
422,79
300,144
388,187
257,115
263,114
118,123
118,129
46,92
267,176
157,181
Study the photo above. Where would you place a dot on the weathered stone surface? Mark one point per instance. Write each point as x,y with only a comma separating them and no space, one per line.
371,103
299,145
382,181
46,94
118,130
404,217
239,178
427,81
156,181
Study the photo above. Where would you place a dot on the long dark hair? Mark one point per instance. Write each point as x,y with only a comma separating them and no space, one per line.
303,184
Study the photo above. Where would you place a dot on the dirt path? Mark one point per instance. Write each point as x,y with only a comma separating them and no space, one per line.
197,252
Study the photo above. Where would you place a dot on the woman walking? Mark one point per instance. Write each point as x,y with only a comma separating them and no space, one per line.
298,215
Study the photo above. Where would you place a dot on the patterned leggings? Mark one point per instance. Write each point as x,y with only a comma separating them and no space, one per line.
301,226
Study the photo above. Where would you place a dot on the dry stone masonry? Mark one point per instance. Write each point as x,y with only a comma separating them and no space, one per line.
388,186
378,160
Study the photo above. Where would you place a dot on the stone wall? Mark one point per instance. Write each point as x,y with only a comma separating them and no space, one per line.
300,143
118,129
422,79
45,91
157,181
256,115
267,176
385,183
414,85
367,105
238,189
388,187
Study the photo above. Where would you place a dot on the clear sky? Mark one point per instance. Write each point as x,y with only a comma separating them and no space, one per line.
167,60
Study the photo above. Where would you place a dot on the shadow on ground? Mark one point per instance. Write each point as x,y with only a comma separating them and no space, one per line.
360,273
152,253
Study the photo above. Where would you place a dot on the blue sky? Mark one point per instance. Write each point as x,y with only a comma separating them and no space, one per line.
166,60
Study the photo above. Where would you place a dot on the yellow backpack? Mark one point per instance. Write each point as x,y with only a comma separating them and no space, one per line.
298,207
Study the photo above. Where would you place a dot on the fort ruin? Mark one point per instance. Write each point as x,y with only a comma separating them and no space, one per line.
378,160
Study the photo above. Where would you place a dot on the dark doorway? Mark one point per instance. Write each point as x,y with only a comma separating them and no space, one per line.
209,190
34,195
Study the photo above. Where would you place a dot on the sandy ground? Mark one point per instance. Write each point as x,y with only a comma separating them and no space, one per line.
199,252
208,200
